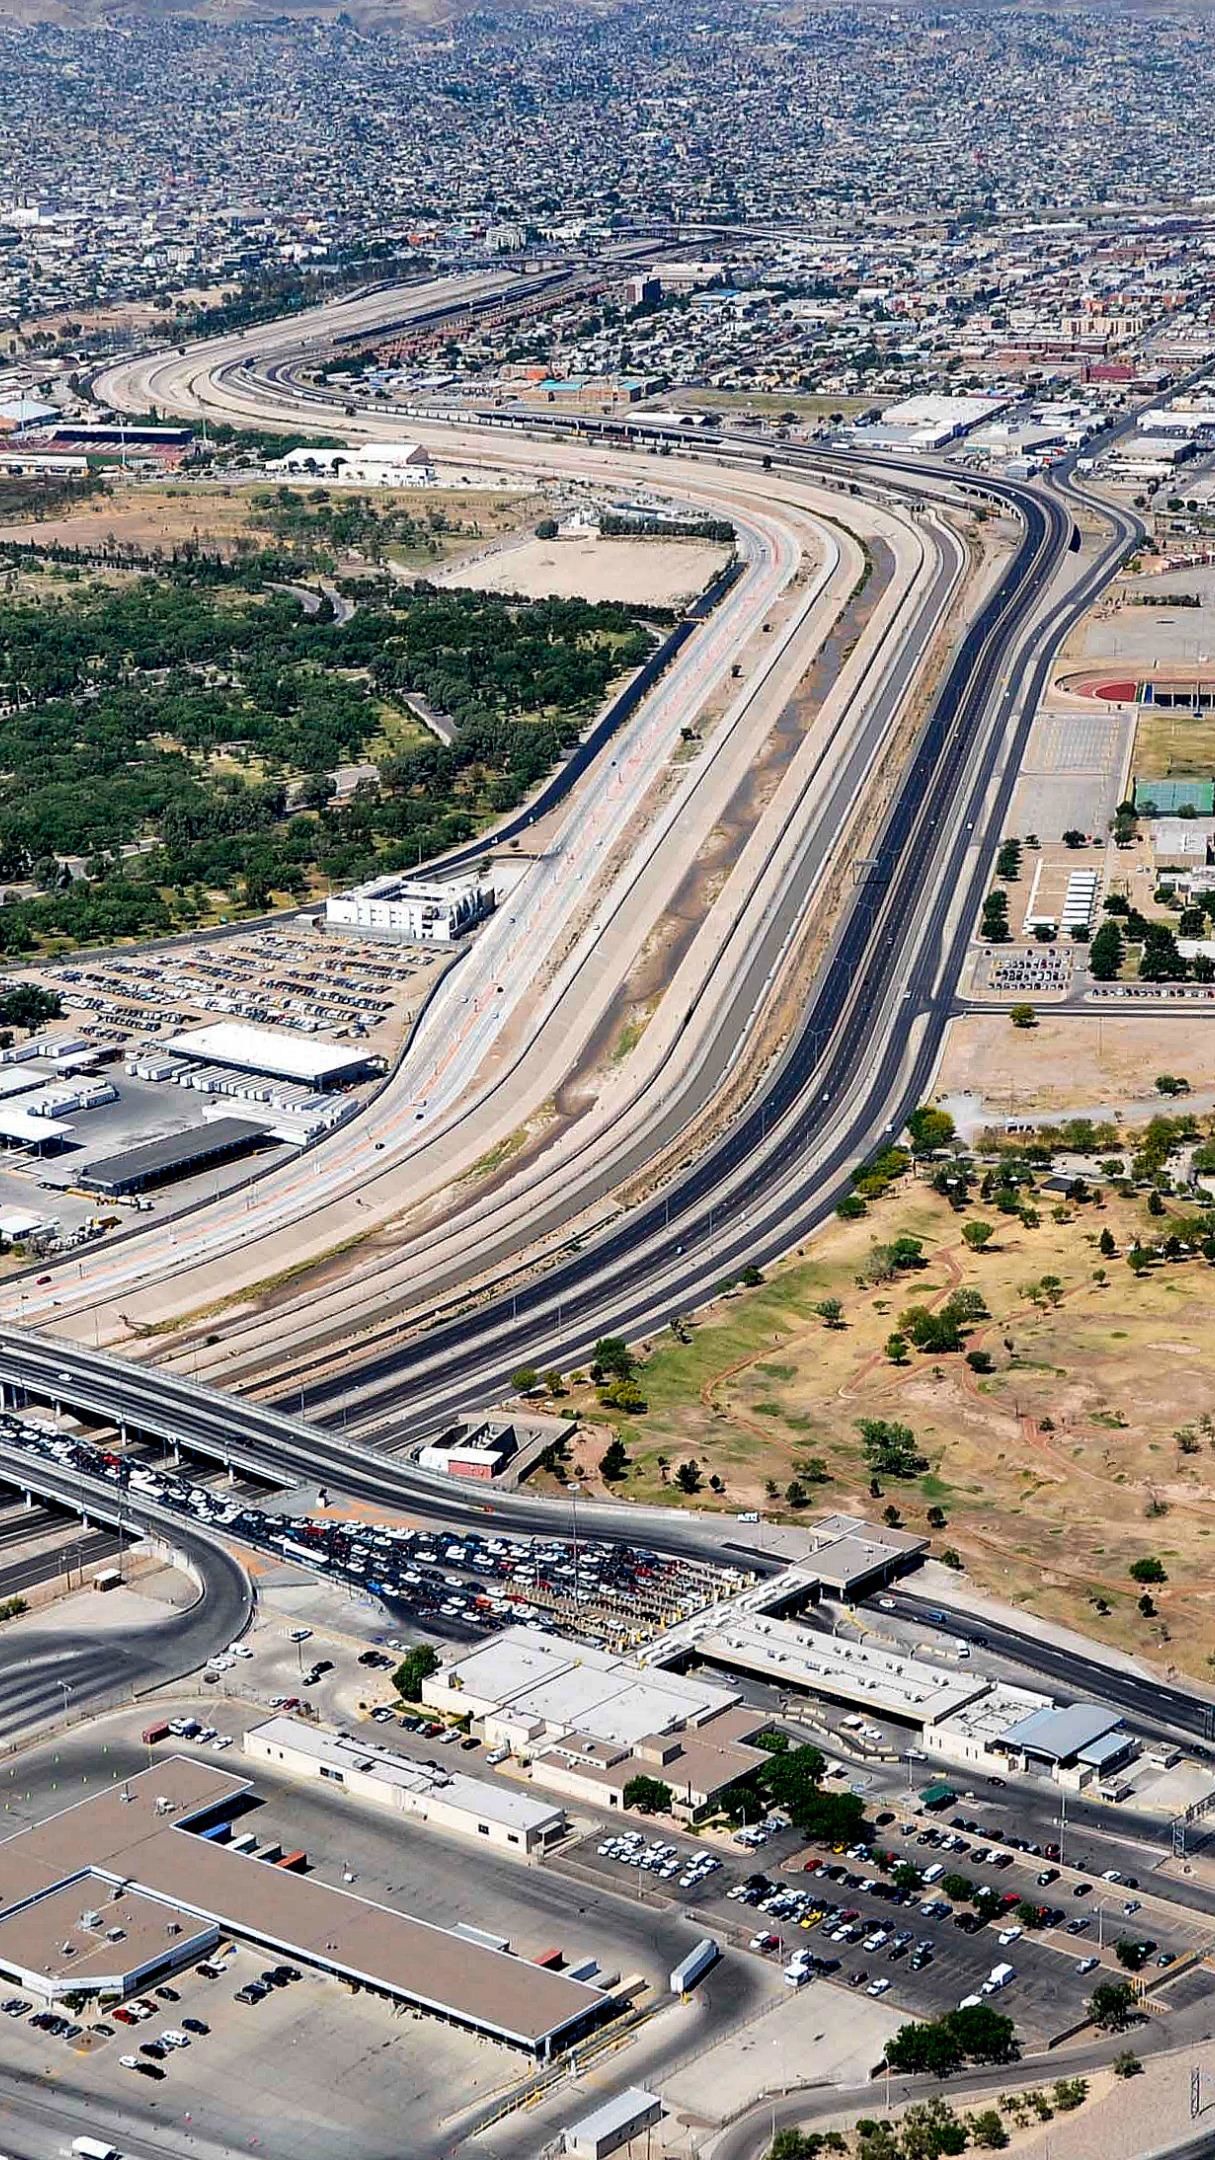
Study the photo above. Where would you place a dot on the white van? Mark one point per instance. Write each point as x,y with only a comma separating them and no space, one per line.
934,1873
87,2148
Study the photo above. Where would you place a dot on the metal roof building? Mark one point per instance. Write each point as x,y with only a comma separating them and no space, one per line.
155,1162
276,1052
614,2124
1061,1735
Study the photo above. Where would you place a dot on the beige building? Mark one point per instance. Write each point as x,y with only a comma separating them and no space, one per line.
461,1806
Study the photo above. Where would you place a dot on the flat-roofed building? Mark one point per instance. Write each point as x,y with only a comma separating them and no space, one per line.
528,1687
886,1683
89,1935
414,911
140,1836
498,1814
278,1052
617,2122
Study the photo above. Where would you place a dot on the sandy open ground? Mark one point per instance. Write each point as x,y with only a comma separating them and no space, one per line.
166,514
1088,1445
1073,1062
667,572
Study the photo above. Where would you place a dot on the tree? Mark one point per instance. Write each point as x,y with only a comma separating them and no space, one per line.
1105,954
978,1235
876,2140
526,1380
1023,1016
612,1357
1132,1956
890,1448
417,1665
29,1006
1148,1570
984,2035
896,1348
958,1888
648,1795
1111,2006
987,2130
798,2145
1107,1244
796,1494
688,1477
925,2046
930,2129
614,1461
830,1310
930,1129
1127,2064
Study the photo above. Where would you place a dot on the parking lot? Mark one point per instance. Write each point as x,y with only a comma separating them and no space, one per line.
451,1586
306,2060
293,976
845,1918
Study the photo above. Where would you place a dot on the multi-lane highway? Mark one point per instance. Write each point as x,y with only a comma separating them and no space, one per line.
865,1047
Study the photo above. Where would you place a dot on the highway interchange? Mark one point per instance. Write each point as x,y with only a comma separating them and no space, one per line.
861,1055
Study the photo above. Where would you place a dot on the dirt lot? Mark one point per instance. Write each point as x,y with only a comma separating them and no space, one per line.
166,514
666,572
1072,1063
1055,1471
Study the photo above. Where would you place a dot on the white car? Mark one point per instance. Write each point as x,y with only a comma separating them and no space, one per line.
129,2062
878,1987
1008,1935
239,1649
299,1634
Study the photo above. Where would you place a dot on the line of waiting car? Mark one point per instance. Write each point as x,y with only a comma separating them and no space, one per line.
657,1857
465,1584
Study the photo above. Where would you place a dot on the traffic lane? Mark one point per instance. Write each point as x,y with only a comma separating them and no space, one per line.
1154,1703
76,1554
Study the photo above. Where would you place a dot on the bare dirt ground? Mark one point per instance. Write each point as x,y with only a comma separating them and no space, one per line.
170,513
666,572
1074,1063
1091,1443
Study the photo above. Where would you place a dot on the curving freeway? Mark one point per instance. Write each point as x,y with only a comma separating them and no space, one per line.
863,1052
57,1674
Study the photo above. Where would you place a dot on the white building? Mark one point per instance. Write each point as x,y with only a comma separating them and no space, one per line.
416,912
928,423
381,464
499,1814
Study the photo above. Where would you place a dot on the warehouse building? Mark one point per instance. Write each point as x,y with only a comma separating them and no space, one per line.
132,1859
177,1155
381,464
278,1053
508,1819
